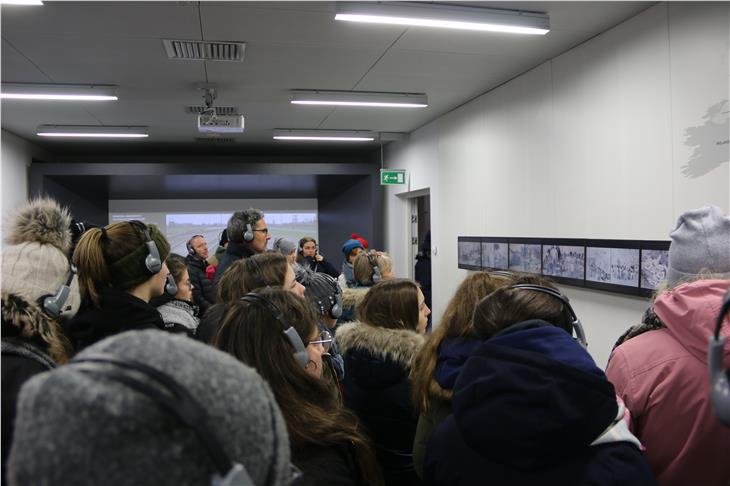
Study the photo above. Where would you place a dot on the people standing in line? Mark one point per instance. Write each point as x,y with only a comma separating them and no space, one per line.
179,312
309,257
327,442
248,235
350,249
197,263
437,365
659,367
120,268
39,289
378,353
530,406
369,268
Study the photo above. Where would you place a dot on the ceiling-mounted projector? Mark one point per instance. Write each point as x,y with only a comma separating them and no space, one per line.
212,123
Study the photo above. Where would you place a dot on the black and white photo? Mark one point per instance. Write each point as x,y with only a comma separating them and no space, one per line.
618,266
563,261
525,257
654,265
494,255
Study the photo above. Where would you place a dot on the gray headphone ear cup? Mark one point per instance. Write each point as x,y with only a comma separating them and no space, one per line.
248,235
170,285
336,309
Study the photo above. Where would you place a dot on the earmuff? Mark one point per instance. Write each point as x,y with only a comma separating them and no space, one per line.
152,261
53,304
248,234
576,325
291,335
189,244
719,378
165,391
377,276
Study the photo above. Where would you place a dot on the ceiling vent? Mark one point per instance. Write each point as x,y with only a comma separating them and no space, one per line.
204,50
220,110
215,139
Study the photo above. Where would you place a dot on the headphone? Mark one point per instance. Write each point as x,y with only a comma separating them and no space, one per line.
377,276
255,270
53,304
719,378
170,285
152,262
334,299
162,389
189,244
248,234
300,351
575,324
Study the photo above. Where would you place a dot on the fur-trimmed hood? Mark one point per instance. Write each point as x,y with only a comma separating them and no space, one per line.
396,345
353,296
42,221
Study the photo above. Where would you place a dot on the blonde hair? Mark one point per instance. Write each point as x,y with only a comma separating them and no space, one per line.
362,268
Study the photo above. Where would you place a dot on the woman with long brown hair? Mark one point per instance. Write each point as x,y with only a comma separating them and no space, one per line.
327,442
439,361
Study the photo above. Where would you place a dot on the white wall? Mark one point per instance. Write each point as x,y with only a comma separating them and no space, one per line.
613,139
16,158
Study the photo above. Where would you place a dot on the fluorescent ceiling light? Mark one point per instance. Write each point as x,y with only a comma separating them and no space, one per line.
60,92
91,131
444,16
21,2
325,135
359,98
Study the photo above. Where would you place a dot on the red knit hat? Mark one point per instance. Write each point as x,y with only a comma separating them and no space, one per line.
359,238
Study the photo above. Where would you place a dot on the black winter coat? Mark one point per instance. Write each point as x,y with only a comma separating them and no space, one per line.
377,388
234,251
203,288
327,465
323,267
527,407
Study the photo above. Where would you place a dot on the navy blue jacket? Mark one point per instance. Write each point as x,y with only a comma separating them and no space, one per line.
526,407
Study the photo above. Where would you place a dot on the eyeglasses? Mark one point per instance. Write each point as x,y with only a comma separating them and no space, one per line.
263,230
325,339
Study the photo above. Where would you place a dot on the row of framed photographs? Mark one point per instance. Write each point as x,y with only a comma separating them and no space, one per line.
626,266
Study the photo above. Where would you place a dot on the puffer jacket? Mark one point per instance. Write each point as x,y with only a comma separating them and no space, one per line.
662,377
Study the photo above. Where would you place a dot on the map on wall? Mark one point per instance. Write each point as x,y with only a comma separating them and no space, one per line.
709,142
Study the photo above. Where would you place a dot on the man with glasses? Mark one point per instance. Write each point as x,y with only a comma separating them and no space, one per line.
248,235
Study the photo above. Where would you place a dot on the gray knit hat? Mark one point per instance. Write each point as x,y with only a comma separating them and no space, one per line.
284,246
84,429
700,245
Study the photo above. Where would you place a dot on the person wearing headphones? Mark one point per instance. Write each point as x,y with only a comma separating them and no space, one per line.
121,267
179,312
530,406
39,289
197,263
369,268
248,235
659,367
275,332
309,257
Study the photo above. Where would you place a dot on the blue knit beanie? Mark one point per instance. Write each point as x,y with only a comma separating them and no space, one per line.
351,245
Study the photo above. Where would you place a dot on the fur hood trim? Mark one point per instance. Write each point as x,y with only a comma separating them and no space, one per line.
353,296
398,345
42,221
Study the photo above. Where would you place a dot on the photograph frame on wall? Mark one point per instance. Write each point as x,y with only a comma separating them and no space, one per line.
613,265
563,260
495,253
529,260
469,252
650,247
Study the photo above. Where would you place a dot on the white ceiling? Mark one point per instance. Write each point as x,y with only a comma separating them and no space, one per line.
289,45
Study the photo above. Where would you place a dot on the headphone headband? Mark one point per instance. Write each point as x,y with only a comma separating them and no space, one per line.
53,304
152,262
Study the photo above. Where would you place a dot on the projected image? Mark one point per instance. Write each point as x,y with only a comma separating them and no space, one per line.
563,261
494,255
524,257
654,265
619,266
470,254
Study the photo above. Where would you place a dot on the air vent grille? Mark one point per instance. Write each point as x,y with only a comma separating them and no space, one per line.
220,110
215,139
204,50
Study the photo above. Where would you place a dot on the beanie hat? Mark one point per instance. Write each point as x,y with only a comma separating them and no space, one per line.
351,245
284,246
35,263
82,428
362,240
130,270
320,289
700,244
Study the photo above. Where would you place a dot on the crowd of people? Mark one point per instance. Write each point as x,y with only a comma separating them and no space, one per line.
124,363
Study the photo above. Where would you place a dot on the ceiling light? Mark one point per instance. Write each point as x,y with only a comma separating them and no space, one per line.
91,131
444,16
21,2
359,98
61,92
325,135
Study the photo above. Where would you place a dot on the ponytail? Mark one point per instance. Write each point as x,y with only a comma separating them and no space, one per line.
93,271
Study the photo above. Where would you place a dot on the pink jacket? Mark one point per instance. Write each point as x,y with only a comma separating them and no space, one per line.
662,377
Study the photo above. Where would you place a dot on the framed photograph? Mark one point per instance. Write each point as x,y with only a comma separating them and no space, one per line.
470,252
613,265
563,260
654,264
525,255
495,254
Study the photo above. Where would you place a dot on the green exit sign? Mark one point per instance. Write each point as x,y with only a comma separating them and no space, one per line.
389,177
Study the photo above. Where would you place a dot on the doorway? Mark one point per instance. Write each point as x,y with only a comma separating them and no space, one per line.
420,235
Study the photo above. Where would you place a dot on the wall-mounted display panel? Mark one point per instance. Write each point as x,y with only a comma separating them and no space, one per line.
654,264
470,252
525,255
563,260
495,254
613,265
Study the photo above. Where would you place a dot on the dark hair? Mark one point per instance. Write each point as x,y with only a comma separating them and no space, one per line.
237,224
250,332
392,304
507,306
300,249
456,322
177,266
265,270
